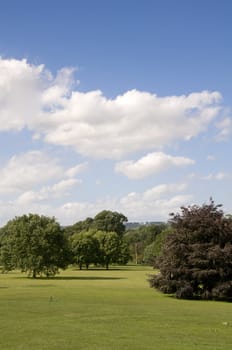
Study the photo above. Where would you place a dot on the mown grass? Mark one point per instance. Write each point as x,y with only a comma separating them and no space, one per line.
106,310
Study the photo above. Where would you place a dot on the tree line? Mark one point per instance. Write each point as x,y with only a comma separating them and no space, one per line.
38,245
192,253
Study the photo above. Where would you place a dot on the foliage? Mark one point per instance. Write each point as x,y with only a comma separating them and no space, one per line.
196,258
109,221
106,220
99,240
79,226
111,249
98,247
35,244
85,248
153,250
141,237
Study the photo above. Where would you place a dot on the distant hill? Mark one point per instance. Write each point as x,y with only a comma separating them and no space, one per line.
134,225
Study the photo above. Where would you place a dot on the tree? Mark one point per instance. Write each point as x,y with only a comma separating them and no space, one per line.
196,259
153,250
109,221
35,244
79,226
141,237
111,248
85,248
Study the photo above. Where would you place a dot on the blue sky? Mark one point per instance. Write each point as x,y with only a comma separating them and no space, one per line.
119,105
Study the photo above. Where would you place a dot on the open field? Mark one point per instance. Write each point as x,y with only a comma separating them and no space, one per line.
106,310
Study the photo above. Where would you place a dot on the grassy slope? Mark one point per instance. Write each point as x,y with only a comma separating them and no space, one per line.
106,310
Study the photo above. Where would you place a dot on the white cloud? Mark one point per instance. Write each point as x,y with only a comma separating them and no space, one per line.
150,164
27,91
163,189
225,129
212,176
77,169
28,170
19,93
98,127
89,122
24,172
154,204
57,190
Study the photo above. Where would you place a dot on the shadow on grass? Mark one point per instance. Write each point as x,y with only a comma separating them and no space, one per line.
71,278
112,268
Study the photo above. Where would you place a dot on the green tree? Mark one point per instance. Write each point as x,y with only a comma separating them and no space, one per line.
153,250
80,226
141,237
109,221
196,258
85,248
124,253
35,244
136,245
109,248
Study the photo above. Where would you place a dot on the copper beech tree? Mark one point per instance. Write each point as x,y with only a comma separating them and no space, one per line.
196,260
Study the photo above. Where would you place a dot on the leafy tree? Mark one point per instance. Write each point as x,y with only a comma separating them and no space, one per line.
79,226
124,253
196,258
110,250
85,248
141,237
153,250
136,245
109,221
35,244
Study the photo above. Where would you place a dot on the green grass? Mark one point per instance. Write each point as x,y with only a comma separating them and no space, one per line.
106,310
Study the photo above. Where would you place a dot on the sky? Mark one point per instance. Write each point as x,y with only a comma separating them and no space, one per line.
123,105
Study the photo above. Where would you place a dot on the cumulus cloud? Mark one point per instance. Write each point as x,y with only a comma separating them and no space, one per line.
163,189
219,176
152,163
27,90
19,93
98,127
77,169
28,170
225,129
57,190
153,204
92,124
32,169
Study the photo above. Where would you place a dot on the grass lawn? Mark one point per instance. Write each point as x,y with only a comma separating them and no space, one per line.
106,310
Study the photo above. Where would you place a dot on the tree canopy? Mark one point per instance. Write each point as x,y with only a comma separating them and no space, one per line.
85,248
110,221
98,247
106,220
141,237
35,244
196,258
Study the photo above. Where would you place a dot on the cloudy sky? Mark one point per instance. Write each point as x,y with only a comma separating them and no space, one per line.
114,104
